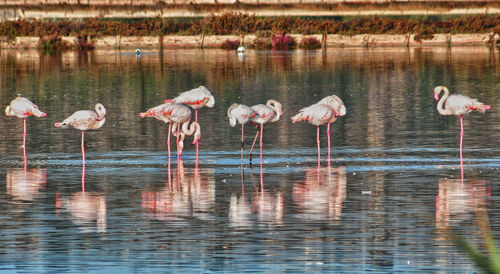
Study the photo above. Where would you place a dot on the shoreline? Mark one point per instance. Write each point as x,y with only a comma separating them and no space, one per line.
75,9
215,41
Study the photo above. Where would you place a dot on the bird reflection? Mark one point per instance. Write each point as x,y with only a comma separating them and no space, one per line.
25,184
268,207
321,194
188,193
85,208
459,199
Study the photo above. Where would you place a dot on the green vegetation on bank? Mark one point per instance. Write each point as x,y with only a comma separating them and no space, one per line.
242,23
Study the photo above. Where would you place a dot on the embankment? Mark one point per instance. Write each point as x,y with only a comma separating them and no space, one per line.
214,41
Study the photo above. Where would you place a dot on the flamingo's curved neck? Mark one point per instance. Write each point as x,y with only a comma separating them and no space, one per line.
441,101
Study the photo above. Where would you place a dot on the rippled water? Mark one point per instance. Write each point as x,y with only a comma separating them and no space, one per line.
385,204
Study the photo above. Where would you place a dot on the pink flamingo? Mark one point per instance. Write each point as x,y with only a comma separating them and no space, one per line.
85,120
22,107
457,104
157,112
270,112
241,114
195,98
317,114
180,117
338,105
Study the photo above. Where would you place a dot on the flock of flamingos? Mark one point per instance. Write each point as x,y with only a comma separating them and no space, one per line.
177,114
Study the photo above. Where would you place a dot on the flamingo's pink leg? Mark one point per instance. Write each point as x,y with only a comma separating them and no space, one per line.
253,144
328,133
461,143
177,142
83,148
261,133
168,139
196,120
24,143
242,140
318,143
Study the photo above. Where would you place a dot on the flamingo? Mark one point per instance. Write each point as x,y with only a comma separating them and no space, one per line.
270,112
157,112
317,114
180,117
241,114
457,104
22,107
338,105
85,120
195,98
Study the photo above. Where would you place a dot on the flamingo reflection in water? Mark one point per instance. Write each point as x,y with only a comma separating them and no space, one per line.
265,206
321,194
23,108
459,199
25,184
86,209
188,193
268,207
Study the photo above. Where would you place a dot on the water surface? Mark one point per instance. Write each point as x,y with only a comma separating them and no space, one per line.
385,204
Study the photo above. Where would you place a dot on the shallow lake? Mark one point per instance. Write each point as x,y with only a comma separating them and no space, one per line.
387,202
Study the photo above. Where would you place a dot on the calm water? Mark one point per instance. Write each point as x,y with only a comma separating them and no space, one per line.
384,205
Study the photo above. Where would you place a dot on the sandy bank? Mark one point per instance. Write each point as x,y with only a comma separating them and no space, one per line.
214,41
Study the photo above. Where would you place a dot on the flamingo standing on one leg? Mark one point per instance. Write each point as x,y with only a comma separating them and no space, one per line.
317,114
457,104
180,116
85,120
22,107
270,112
195,98
241,114
157,112
338,105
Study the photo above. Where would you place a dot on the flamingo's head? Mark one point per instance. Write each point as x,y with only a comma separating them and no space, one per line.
35,111
276,106
437,91
148,113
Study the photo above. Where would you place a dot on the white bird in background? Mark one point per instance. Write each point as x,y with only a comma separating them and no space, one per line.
241,49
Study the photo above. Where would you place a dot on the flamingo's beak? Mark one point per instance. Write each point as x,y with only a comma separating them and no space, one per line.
436,96
43,114
487,107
